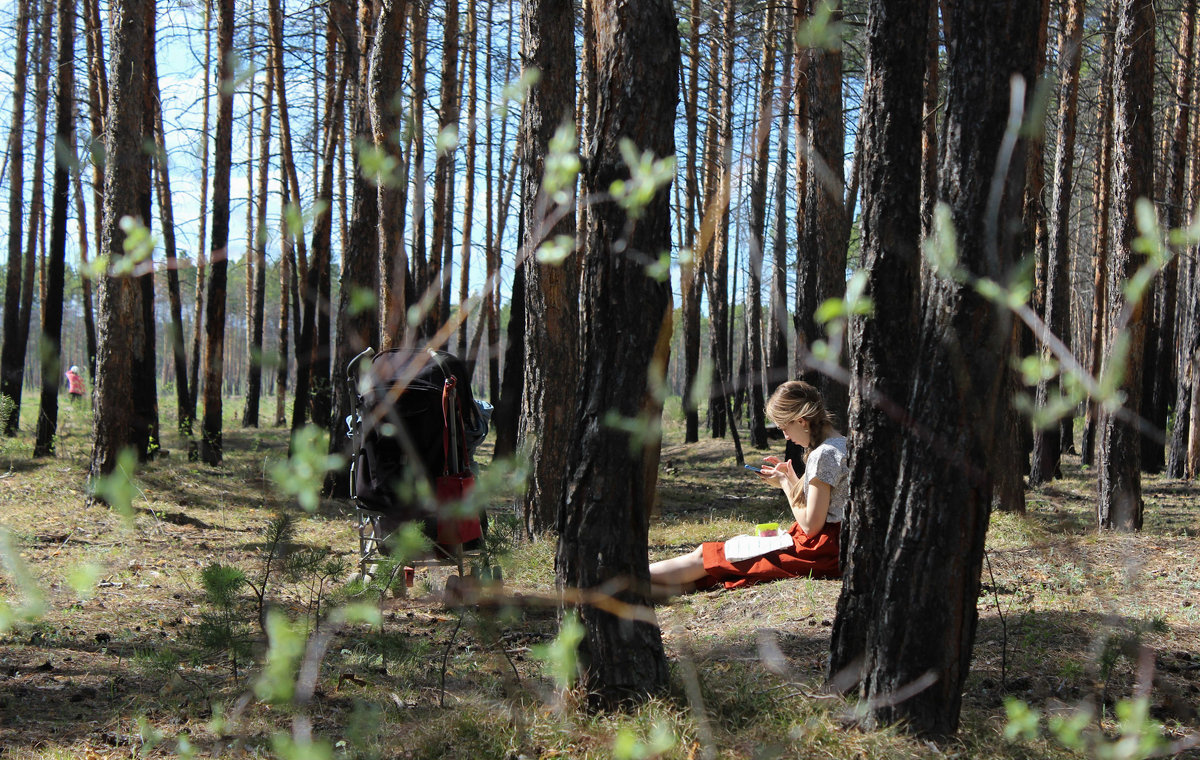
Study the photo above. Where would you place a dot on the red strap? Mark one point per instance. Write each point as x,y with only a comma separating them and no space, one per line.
447,390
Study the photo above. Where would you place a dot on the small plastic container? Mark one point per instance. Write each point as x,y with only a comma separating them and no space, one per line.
766,529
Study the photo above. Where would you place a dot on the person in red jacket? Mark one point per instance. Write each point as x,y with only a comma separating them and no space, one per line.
74,384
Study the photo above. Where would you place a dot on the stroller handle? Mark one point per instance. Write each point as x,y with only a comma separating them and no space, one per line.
351,380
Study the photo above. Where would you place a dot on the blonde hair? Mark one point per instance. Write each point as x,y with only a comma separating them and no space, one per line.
798,400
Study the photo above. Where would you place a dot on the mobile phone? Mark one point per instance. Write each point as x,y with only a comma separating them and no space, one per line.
752,467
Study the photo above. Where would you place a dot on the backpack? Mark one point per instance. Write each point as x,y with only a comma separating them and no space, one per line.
414,419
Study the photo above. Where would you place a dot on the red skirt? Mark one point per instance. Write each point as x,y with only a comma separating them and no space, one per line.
809,557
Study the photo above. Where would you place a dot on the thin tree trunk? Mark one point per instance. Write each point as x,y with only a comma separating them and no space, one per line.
285,280
214,327
36,203
464,256
52,305
419,263
166,209
777,319
441,252
12,357
758,224
257,253
201,249
1102,191
1048,437
717,276
1160,384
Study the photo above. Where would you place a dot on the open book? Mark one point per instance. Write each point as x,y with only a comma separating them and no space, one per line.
739,548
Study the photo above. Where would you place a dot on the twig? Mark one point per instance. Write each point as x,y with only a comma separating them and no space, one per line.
1003,624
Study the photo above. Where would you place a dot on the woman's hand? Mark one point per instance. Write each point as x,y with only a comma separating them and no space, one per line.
779,473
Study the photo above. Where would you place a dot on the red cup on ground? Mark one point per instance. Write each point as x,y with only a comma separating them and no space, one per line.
408,576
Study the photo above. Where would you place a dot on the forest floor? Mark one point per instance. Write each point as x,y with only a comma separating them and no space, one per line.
124,655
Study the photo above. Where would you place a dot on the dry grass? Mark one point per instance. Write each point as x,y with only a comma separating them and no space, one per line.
1065,612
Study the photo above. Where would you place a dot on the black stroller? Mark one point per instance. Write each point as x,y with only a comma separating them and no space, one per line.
414,426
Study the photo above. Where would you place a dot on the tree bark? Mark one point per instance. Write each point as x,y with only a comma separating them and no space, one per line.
201,249
1048,438
472,96
822,273
52,305
718,193
604,523
691,271
357,326
1102,191
758,227
258,252
214,325
166,210
116,422
441,252
1160,384
922,629
777,316
1120,505
881,360
551,288
385,81
12,356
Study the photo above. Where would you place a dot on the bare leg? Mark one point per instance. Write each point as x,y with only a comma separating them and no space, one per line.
678,573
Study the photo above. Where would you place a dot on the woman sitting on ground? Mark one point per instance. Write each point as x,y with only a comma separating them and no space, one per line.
817,499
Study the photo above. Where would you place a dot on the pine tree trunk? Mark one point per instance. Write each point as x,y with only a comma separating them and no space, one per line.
285,280
822,274
604,523
52,306
1102,191
166,209
12,357
257,253
312,350
1048,438
214,326
357,327
385,83
881,360
1120,504
551,289
471,74
116,421
201,248
691,271
922,626
758,227
419,263
717,276
441,237
777,319
1160,383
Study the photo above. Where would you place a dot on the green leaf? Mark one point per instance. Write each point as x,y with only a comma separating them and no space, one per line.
1022,720
83,578
821,31
561,654
303,473
285,646
555,252
941,248
117,489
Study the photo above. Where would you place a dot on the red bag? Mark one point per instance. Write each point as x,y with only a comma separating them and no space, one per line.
455,482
